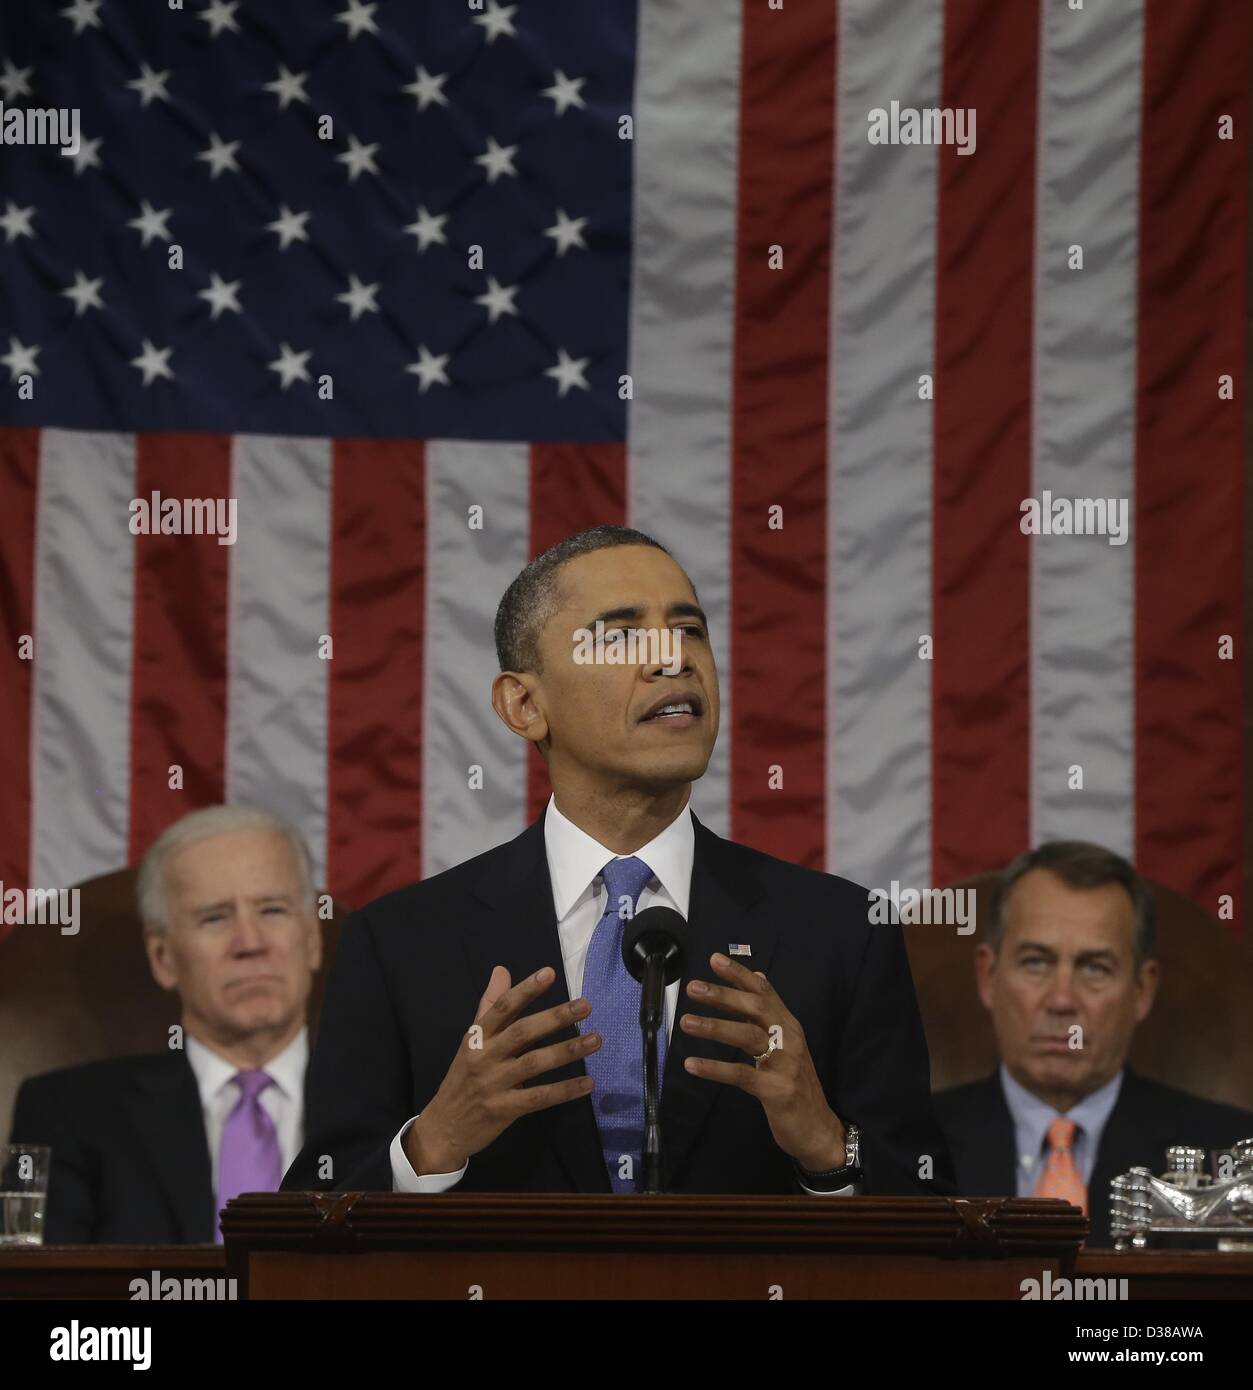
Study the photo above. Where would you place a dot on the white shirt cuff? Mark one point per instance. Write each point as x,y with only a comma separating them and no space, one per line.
404,1179
852,1190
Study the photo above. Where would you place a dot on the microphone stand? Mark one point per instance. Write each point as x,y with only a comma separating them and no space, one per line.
652,997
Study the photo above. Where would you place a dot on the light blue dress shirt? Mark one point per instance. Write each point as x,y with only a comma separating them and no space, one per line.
1032,1118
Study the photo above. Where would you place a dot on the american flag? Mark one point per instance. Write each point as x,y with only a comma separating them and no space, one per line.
425,287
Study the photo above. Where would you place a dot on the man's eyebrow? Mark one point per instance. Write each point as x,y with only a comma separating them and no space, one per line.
633,613
1092,954
213,907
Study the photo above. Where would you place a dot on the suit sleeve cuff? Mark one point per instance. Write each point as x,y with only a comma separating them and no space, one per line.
404,1179
852,1190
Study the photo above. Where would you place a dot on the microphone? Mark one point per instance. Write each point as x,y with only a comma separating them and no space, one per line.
654,949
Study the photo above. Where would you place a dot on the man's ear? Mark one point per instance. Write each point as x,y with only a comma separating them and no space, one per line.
158,948
985,972
515,698
1147,979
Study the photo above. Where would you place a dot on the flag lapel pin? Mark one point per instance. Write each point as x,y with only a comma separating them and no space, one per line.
737,948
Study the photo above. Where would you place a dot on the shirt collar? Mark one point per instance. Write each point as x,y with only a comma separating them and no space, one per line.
575,858
1032,1116
213,1071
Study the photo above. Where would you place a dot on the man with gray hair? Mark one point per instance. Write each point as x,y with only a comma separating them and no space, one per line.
1067,971
148,1149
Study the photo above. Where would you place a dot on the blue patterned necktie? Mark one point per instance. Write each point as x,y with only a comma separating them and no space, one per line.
617,1066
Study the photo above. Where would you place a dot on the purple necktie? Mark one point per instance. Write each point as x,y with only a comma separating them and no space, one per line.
617,1067
249,1160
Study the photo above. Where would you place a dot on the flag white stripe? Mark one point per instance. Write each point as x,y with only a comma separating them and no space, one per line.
277,680
880,453
468,570
84,607
682,315
1084,411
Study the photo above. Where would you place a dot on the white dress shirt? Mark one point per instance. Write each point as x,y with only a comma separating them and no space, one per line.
575,861
284,1102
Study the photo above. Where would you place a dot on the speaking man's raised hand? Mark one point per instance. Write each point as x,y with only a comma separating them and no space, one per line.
484,1089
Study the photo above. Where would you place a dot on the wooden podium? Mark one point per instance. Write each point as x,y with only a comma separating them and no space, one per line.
349,1245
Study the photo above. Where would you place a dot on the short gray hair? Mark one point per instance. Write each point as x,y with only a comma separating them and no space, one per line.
535,594
1080,864
204,825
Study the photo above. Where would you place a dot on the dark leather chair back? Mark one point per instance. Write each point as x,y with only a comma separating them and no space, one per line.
70,999
1199,1035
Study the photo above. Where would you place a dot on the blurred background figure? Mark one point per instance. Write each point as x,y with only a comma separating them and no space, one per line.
147,1149
1067,972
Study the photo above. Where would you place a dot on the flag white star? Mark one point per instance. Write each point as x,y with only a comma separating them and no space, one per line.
88,156
498,20
20,360
565,92
290,365
15,81
358,158
150,85
154,362
428,88
429,369
219,15
16,221
498,299
221,296
568,372
359,298
567,232
85,293
84,14
288,87
289,225
358,18
428,228
497,160
220,155
151,224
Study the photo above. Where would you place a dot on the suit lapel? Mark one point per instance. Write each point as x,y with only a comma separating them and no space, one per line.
163,1106
984,1148
520,933
721,910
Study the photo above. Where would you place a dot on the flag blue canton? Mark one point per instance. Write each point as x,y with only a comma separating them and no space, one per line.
304,258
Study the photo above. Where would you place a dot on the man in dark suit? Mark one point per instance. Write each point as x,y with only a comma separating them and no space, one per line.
797,1061
1067,973
146,1150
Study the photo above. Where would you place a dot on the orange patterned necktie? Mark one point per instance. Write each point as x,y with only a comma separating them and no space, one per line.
1060,1177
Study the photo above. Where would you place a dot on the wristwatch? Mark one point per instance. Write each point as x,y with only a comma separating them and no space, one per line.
832,1179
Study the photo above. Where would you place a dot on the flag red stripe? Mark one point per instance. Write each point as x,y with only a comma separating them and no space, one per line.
178,668
1190,468
779,431
374,702
573,487
982,441
19,485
